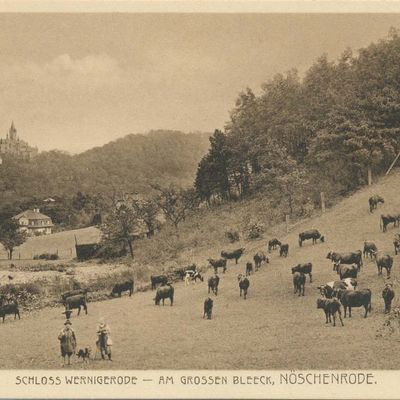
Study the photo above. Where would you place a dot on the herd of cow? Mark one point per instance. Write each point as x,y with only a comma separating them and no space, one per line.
335,294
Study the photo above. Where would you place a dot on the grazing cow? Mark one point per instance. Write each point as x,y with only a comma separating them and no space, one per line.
155,279
384,261
220,263
304,268
346,271
164,292
208,306
272,244
388,295
65,295
310,234
213,283
299,283
387,219
284,250
249,268
330,307
374,201
370,249
330,289
259,258
76,302
345,258
396,244
192,276
233,255
123,287
244,284
7,309
355,298
181,272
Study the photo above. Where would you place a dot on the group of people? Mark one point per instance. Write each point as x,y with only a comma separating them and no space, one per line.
68,342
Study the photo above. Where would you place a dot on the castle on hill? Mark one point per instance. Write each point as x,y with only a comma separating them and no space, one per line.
13,146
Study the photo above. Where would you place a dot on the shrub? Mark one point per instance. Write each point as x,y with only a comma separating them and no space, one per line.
46,256
233,236
255,230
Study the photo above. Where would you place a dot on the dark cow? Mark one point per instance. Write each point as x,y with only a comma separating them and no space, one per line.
76,301
158,279
244,284
374,201
164,292
299,283
330,289
355,298
304,268
259,258
65,295
384,261
220,263
370,249
249,268
284,250
396,244
208,306
213,283
330,307
181,272
310,234
9,309
388,295
272,244
233,255
387,219
123,287
347,271
345,258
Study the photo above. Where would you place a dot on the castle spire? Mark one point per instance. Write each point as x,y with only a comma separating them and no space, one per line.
13,132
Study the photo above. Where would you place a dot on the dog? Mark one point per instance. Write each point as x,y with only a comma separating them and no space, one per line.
84,354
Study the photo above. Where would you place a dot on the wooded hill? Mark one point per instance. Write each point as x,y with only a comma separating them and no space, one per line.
130,164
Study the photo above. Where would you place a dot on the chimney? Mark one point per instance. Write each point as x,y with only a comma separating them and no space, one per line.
36,210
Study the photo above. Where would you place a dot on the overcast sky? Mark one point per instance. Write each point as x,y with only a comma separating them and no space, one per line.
74,81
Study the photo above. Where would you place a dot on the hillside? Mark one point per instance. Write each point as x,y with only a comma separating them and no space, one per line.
272,329
130,164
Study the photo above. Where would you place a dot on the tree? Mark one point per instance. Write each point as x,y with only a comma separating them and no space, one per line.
176,203
147,211
10,236
121,226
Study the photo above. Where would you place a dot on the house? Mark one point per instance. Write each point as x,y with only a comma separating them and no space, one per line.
34,222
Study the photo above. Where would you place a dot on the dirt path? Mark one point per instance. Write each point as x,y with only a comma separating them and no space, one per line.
272,329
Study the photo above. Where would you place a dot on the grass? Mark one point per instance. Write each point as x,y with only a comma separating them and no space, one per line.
272,329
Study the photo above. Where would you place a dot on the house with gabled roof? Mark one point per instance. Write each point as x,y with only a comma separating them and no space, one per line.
34,223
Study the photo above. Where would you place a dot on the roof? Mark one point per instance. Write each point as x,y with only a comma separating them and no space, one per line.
30,214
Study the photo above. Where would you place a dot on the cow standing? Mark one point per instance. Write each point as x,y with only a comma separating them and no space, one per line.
330,289
244,284
220,263
299,282
345,258
304,268
284,250
370,249
384,261
208,306
387,219
310,234
396,244
158,279
76,301
233,255
388,295
272,244
330,307
347,271
9,309
164,292
355,298
213,283
374,201
259,258
249,268
192,276
119,288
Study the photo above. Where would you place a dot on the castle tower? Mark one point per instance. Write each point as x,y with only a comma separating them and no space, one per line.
12,132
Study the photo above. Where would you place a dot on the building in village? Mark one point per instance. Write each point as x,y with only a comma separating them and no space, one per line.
13,146
34,222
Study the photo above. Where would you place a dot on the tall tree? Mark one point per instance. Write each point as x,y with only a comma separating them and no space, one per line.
10,236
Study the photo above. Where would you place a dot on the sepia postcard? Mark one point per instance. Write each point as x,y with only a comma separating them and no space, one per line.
199,199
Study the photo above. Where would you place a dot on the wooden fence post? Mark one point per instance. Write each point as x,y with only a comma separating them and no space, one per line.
369,175
287,217
323,202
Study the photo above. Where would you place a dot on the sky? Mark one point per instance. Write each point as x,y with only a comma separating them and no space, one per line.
75,81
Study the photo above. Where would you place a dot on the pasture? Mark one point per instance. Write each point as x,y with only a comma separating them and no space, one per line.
272,329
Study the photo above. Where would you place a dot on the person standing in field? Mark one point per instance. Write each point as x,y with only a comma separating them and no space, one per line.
67,340
104,342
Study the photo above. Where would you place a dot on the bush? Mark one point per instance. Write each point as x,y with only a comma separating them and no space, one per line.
255,230
46,256
233,236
